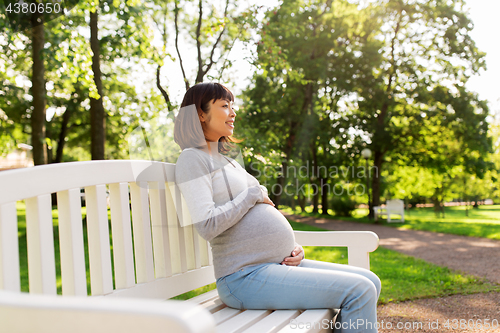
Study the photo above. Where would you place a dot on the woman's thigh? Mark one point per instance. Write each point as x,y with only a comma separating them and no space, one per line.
308,286
344,268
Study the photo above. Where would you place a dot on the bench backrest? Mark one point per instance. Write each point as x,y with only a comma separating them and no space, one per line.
141,251
395,205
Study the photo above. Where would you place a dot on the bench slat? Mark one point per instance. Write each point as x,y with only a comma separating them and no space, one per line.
176,198
122,235
165,288
274,322
73,271
204,250
9,248
173,229
143,245
101,278
192,244
310,317
214,305
225,314
205,297
40,240
243,321
192,250
159,224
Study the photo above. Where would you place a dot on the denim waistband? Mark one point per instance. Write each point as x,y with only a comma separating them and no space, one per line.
248,268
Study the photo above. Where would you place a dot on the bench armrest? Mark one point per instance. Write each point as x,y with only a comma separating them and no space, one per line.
359,243
26,313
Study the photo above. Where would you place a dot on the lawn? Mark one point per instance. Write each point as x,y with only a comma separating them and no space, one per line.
481,222
402,277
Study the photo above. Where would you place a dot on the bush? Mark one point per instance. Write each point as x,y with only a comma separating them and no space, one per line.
343,206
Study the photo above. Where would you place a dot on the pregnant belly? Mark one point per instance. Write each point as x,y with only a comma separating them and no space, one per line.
263,233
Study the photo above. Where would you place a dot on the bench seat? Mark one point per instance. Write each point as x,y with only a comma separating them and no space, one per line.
145,254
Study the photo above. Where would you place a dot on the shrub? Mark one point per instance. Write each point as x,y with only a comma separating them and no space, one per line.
343,206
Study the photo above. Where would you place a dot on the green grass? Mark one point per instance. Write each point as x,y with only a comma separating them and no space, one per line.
482,222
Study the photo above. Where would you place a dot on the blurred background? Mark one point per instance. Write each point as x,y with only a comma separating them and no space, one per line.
342,105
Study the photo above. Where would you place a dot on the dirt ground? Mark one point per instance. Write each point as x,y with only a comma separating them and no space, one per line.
458,313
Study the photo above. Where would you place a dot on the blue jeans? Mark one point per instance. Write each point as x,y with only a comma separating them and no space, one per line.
311,285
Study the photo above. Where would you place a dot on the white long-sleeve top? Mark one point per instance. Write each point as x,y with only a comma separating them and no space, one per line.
226,206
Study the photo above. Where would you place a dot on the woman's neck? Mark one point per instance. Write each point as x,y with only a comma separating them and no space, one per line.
211,146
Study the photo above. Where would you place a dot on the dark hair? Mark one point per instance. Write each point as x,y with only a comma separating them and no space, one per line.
187,130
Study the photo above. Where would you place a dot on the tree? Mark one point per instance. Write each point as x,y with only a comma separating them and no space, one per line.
97,113
303,49
427,57
69,83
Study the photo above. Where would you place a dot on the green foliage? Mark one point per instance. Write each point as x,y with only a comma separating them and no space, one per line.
343,205
333,78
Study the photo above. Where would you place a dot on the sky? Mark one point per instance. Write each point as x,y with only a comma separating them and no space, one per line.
486,25
484,14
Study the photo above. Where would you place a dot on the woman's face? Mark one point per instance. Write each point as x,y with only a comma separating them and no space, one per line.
219,121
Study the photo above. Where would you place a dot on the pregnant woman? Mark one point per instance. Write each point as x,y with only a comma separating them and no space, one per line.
258,264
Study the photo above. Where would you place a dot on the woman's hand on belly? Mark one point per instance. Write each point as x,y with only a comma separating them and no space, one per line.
268,201
295,258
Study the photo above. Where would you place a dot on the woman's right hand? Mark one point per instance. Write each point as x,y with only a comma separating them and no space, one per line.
265,196
267,200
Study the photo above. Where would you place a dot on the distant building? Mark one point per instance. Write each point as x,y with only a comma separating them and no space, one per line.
19,158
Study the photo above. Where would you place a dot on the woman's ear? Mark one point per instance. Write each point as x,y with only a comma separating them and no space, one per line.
201,116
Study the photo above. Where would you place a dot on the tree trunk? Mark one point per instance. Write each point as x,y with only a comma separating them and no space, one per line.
315,197
377,162
288,149
302,202
284,165
97,114
281,182
316,188
323,183
38,116
160,88
62,135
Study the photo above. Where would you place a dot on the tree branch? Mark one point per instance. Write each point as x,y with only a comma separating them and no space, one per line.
176,17
216,42
199,77
158,84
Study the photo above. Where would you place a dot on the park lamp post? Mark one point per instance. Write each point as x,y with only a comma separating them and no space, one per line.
367,153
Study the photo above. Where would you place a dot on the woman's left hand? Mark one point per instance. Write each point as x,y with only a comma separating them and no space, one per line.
295,258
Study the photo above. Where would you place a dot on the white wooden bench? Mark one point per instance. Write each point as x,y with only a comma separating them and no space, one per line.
153,258
394,206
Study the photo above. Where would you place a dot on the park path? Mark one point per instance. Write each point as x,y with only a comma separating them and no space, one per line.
476,256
